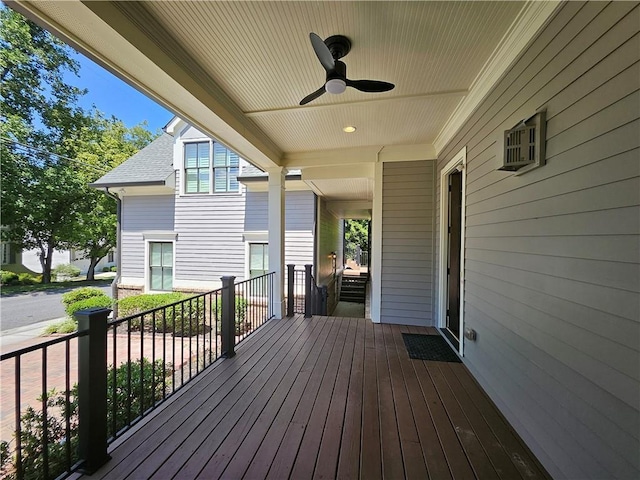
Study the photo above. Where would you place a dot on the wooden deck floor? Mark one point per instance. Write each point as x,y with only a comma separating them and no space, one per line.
325,398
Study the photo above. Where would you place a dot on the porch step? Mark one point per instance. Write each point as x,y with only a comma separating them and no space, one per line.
354,289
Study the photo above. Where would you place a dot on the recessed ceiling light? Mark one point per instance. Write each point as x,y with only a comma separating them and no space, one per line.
349,129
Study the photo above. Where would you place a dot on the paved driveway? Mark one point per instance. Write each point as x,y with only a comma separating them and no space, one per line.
28,308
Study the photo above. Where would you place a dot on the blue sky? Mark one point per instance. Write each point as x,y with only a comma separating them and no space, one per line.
114,97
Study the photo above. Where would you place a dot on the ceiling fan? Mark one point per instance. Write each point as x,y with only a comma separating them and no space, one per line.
329,52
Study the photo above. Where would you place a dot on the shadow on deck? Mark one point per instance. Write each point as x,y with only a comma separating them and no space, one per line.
325,397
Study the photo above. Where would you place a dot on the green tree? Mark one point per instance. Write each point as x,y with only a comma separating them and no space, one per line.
52,149
102,147
38,108
356,234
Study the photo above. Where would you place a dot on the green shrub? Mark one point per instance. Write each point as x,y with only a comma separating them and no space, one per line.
65,271
9,278
114,269
81,294
146,378
66,326
27,279
188,318
93,302
146,389
106,269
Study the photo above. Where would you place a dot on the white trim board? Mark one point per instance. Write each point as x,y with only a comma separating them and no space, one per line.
458,161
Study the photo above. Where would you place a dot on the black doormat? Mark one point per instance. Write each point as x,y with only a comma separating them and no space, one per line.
429,347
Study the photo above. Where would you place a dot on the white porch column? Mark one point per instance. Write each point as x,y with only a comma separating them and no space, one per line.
376,246
276,236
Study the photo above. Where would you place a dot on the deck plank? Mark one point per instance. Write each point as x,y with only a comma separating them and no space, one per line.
286,455
262,460
392,465
241,453
412,457
211,434
325,397
250,427
528,466
141,444
503,465
473,449
327,461
432,450
349,461
370,455
305,463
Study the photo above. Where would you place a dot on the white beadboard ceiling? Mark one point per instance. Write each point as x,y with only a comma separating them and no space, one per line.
261,56
238,69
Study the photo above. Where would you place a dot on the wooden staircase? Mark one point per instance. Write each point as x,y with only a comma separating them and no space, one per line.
354,288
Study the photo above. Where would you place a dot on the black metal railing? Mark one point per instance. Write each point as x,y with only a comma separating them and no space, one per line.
88,403
156,352
304,295
252,304
42,443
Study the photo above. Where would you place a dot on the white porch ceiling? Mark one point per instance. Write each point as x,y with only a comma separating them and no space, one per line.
237,70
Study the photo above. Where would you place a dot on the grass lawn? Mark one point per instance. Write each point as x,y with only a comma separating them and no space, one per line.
40,287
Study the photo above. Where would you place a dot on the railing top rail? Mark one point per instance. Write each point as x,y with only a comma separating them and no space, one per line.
121,320
255,278
41,345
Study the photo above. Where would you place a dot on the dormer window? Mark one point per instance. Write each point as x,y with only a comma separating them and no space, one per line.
210,167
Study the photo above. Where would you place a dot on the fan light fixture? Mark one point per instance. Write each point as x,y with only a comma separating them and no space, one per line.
336,86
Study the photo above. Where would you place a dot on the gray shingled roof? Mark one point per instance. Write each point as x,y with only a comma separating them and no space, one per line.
150,166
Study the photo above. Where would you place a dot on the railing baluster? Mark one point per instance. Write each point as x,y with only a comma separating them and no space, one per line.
45,422
17,387
67,403
129,386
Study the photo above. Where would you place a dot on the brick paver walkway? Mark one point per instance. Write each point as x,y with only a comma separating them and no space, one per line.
31,368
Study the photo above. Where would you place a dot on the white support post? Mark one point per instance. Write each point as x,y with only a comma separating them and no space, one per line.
375,263
276,237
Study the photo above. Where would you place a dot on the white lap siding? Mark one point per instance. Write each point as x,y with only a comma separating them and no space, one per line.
407,243
142,214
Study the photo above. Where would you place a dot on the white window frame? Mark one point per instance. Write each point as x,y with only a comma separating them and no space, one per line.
158,237
182,168
459,162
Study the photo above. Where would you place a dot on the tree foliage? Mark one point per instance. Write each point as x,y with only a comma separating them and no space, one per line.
356,234
52,148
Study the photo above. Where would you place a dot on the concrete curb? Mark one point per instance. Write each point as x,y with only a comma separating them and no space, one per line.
27,334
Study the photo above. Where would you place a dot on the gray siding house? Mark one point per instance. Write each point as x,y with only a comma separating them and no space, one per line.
183,237
540,270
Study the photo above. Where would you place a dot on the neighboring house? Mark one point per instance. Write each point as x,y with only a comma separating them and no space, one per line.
17,260
185,235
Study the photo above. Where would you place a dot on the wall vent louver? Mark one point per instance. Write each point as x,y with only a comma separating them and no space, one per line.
524,145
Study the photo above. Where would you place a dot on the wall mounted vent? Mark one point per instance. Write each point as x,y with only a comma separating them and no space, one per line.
524,145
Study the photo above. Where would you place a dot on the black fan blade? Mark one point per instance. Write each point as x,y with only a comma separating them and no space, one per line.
372,86
312,96
322,51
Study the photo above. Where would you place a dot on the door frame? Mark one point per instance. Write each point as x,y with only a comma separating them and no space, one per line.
458,162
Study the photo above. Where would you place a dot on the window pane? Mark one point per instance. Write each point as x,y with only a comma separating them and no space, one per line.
233,179
192,181
219,155
155,259
203,154
221,179
234,159
167,254
156,278
190,155
203,181
167,280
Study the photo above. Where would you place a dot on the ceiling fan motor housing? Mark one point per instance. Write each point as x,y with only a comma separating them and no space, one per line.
338,45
